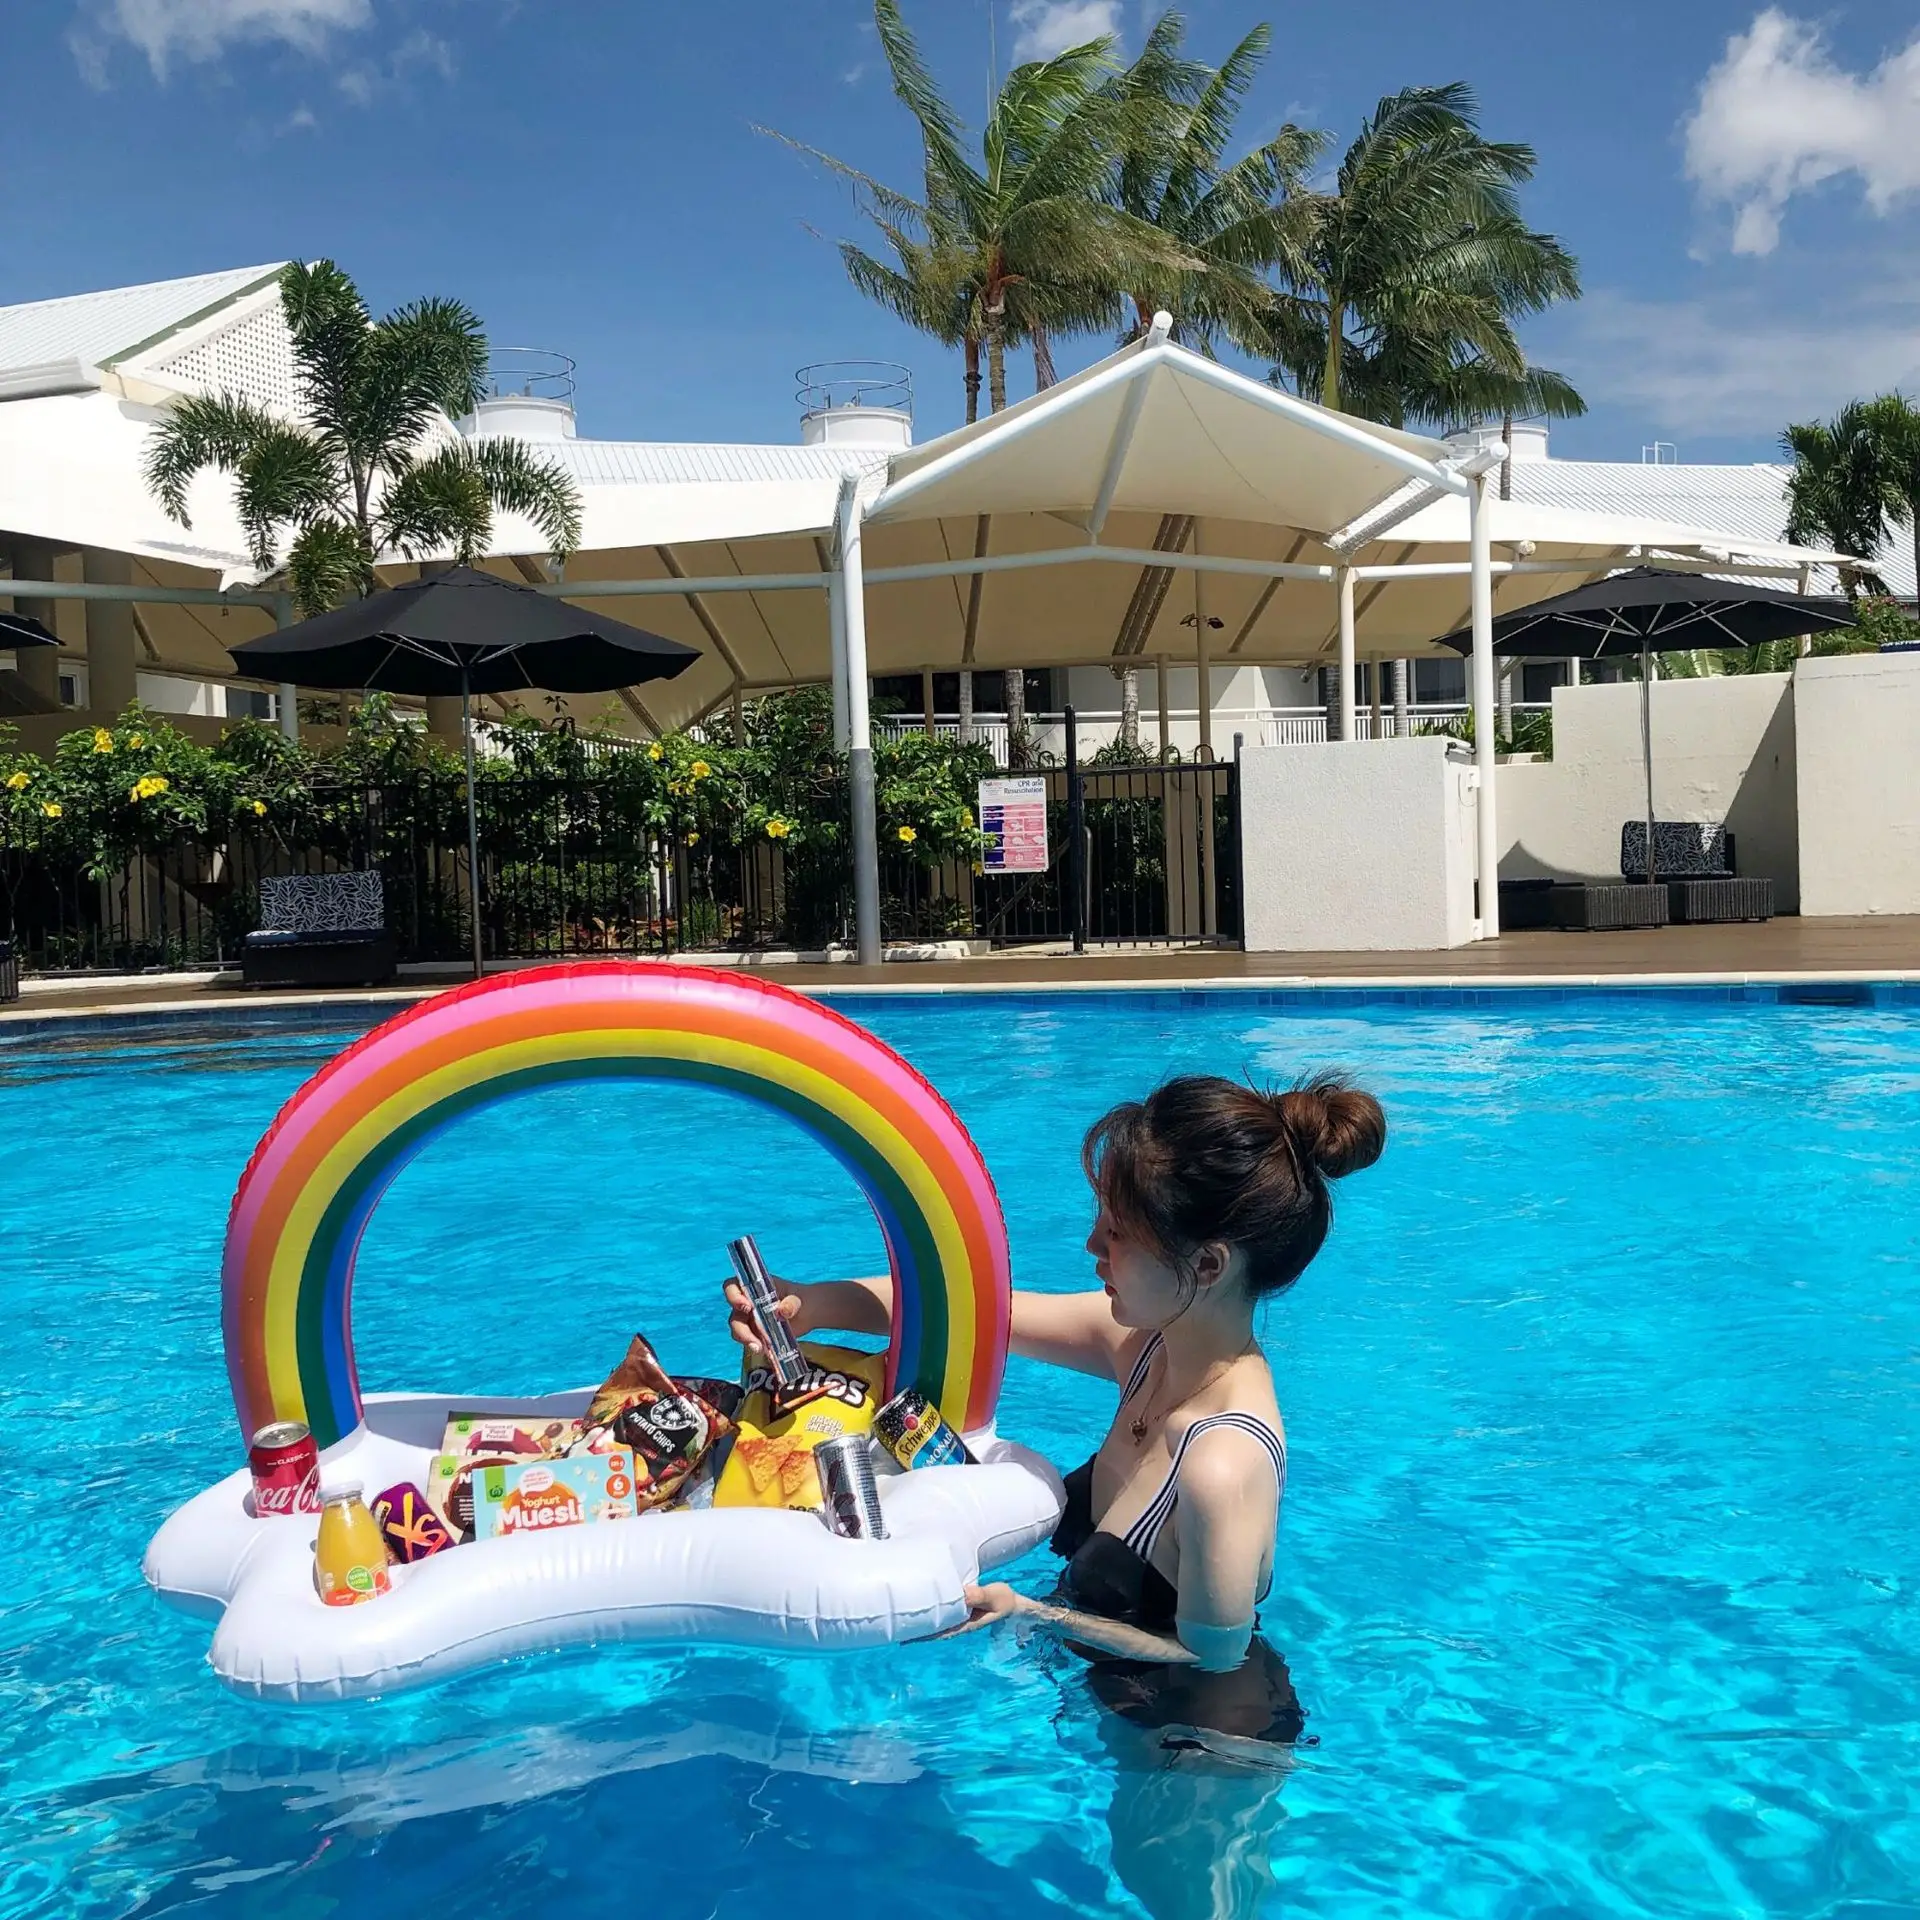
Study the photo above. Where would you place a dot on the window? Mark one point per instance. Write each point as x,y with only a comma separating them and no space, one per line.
248,703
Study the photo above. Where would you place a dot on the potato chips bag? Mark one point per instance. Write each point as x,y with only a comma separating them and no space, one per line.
771,1464
668,1425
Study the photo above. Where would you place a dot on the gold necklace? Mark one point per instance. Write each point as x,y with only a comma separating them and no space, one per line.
1142,1421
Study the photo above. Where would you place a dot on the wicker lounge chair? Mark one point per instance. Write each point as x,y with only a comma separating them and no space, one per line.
1607,906
320,930
9,973
1694,861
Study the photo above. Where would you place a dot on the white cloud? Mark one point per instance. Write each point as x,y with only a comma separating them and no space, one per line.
1736,365
167,31
364,81
1777,117
300,120
1047,27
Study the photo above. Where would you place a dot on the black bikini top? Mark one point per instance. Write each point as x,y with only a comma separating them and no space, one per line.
1114,1574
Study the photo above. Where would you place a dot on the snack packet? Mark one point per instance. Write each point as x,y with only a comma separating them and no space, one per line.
449,1492
535,1496
667,1425
771,1464
508,1436
412,1529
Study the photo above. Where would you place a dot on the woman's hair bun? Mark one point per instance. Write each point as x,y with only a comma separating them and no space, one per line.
1336,1129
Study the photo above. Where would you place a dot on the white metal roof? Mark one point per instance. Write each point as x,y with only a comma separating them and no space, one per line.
655,463
94,328
1749,501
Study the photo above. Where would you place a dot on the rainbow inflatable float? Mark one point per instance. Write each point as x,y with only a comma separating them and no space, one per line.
746,1576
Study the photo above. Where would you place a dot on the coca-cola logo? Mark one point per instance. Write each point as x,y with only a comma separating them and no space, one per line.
288,1496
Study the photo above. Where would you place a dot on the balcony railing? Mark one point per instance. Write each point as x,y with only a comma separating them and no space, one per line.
1258,726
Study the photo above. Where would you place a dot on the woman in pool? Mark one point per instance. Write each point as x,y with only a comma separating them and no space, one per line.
1211,1198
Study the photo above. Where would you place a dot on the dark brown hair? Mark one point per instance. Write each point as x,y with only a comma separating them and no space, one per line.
1202,1159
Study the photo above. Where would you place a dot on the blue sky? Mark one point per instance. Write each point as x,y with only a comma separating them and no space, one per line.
1737,182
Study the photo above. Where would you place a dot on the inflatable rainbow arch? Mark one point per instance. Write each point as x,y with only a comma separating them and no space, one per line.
316,1177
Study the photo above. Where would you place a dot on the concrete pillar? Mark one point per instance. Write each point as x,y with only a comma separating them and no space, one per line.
443,716
39,667
113,642
1402,698
1508,668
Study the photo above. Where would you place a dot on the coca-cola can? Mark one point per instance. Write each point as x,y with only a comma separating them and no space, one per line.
286,1469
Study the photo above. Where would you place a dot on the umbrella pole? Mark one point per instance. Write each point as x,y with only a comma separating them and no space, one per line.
473,825
1646,746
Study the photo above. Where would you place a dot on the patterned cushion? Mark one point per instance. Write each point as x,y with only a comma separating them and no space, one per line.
1681,849
323,903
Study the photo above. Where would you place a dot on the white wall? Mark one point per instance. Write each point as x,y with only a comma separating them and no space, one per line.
1360,845
1723,750
168,693
1859,786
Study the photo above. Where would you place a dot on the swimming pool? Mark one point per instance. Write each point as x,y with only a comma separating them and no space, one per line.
1596,1578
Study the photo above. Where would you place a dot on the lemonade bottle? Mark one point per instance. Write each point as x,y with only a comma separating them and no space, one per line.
350,1558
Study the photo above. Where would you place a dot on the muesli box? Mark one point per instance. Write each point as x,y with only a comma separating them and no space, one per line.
535,1496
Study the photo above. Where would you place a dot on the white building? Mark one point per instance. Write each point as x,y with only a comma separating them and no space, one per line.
82,379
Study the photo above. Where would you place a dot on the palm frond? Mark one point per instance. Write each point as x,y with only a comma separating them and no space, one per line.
327,564
195,433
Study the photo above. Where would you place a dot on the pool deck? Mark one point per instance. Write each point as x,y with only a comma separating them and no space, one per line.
1779,951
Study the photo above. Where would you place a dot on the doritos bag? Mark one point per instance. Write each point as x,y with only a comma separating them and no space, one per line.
668,1426
771,1464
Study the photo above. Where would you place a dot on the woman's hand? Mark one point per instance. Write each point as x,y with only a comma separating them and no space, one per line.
997,1601
741,1323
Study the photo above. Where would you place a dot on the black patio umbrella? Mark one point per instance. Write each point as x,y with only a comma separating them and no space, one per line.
464,632
1645,611
22,630
19,630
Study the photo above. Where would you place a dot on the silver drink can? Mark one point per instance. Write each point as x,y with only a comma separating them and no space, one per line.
851,1496
789,1364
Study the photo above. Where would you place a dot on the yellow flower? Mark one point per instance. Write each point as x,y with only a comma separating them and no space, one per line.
777,829
136,739
656,752
966,816
908,836
20,780
147,787
700,769
676,786
102,740
693,839
52,809
979,866
259,806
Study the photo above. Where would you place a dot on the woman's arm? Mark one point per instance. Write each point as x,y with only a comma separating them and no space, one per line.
1228,1507
999,1601
1073,1330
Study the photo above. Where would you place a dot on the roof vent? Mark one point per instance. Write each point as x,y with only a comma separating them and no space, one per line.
529,396
855,403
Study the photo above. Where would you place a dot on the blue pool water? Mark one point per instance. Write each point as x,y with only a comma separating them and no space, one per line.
1597,1575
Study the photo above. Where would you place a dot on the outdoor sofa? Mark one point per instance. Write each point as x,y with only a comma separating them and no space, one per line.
1694,861
320,930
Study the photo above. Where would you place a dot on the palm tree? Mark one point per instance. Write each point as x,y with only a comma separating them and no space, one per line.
358,474
1233,222
1895,427
1838,493
1415,269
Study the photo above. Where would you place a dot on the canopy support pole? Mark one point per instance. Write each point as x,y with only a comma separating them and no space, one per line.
1348,722
473,825
1646,746
289,693
866,839
837,640
1480,562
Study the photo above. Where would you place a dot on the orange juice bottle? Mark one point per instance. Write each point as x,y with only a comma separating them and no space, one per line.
350,1558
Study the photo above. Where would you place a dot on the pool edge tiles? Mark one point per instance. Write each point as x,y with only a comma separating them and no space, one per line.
27,1026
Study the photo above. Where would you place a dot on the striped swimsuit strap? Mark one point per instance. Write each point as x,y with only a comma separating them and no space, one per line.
1138,1377
1144,1534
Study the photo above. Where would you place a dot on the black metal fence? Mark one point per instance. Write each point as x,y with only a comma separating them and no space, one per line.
566,869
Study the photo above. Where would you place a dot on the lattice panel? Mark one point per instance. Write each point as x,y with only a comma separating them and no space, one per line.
253,357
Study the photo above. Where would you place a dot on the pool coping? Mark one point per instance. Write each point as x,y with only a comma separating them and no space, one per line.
1842,987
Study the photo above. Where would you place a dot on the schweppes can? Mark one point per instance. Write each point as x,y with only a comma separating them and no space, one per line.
909,1426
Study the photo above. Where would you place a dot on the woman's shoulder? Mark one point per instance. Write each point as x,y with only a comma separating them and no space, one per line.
1246,1396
